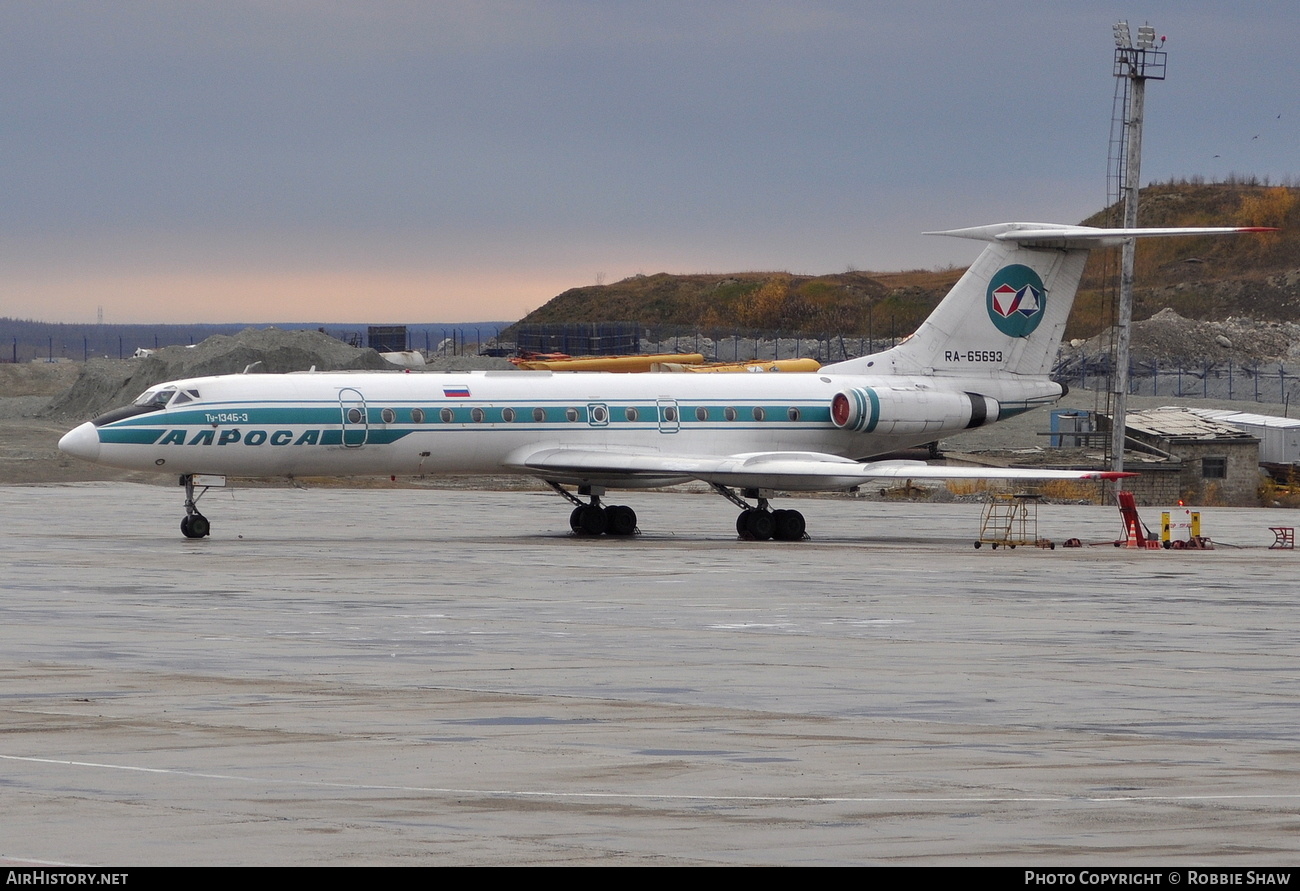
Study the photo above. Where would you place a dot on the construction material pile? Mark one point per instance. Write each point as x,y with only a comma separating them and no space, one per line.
107,383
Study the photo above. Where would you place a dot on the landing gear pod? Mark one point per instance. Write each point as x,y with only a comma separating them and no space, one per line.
910,410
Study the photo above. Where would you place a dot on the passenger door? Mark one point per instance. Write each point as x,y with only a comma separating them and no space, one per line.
355,418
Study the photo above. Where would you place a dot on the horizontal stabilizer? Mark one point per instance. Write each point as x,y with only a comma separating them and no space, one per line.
1058,235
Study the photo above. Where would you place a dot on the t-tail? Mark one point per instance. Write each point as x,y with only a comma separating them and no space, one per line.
1008,312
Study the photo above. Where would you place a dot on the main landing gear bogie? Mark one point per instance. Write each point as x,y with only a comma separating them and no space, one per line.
760,524
593,518
596,519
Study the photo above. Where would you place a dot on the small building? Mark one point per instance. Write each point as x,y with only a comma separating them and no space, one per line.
1279,438
1181,455
387,338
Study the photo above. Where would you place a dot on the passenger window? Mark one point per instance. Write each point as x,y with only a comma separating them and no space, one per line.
793,414
355,416
729,413
570,414
701,414
447,415
508,415
539,414
759,414
388,416
417,416
476,415
631,413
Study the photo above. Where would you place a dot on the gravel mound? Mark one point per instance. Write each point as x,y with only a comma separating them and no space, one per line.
1169,338
37,378
108,383
467,363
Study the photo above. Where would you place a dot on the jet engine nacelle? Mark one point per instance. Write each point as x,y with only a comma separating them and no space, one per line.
910,410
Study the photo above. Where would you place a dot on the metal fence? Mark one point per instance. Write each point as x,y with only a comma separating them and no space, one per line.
742,346
1270,382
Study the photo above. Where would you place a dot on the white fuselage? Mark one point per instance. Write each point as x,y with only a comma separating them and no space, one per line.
346,423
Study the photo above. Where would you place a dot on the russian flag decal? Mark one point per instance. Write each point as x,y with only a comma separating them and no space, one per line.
456,392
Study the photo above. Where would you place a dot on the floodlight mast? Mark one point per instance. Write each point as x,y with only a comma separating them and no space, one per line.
1139,64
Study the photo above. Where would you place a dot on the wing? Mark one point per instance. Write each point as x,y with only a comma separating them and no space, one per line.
791,471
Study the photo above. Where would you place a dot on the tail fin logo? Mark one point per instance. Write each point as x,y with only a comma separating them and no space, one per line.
1016,300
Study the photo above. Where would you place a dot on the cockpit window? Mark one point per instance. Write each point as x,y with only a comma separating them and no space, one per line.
150,400
184,396
156,398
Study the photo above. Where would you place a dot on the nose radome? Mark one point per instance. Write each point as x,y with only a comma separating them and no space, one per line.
81,442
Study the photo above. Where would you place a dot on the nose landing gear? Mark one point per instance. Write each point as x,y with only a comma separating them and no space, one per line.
194,524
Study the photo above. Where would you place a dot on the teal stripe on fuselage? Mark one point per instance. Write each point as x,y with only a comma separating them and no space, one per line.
241,415
269,416
124,434
277,423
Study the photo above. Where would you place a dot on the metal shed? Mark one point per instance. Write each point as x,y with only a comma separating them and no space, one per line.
1279,438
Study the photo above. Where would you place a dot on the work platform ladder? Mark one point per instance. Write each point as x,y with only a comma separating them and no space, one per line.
1010,520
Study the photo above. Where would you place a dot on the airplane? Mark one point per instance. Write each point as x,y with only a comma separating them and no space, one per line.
983,355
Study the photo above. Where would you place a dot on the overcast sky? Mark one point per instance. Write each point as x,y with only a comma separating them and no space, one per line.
412,160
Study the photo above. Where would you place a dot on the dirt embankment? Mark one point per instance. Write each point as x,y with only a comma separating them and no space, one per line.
35,379
1170,339
106,383
39,402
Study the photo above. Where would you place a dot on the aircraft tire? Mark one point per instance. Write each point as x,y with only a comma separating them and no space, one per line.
788,525
759,524
622,520
196,526
595,520
778,517
575,518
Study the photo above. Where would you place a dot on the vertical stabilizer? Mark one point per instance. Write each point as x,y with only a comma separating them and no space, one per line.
1008,312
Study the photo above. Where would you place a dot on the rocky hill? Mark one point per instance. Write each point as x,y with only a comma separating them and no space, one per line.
1208,279
1170,339
1201,279
848,303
